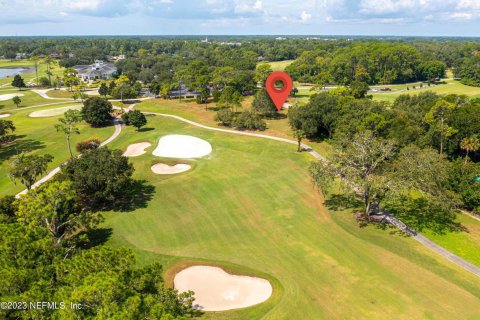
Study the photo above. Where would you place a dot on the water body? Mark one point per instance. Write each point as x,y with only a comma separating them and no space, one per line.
10,72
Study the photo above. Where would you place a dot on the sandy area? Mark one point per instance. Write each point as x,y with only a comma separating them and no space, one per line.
162,168
136,149
182,146
217,290
4,97
52,112
5,115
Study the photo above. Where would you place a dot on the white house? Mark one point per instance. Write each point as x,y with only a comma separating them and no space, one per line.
98,70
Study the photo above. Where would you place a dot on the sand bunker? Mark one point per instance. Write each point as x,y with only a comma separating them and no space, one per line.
217,290
136,149
181,146
52,112
5,115
162,168
4,97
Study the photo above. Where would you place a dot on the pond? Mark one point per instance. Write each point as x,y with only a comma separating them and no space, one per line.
10,72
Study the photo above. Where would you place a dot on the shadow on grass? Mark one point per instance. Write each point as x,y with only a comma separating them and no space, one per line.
18,146
137,196
97,237
337,202
423,214
145,129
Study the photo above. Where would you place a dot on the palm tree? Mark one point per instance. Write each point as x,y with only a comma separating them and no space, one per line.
469,145
35,60
48,62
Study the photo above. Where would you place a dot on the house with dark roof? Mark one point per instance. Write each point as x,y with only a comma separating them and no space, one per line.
98,70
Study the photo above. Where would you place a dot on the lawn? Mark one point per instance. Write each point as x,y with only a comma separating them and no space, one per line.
39,136
451,87
28,97
250,206
278,65
465,244
29,77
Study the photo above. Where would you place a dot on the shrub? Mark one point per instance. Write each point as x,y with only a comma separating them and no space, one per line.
249,120
225,116
44,82
86,145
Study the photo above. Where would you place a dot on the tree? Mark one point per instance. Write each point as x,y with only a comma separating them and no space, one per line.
6,128
100,177
230,98
27,168
155,88
424,171
68,125
103,90
225,116
135,118
35,60
360,164
437,119
299,135
97,111
17,101
469,144
53,206
359,89
48,62
432,69
262,73
263,104
18,82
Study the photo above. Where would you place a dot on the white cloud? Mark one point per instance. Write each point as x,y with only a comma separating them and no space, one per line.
305,16
248,6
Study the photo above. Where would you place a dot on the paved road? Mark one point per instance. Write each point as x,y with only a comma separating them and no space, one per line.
116,133
420,238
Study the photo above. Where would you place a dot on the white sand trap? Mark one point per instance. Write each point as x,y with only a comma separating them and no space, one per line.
4,97
52,112
5,115
181,146
217,290
136,149
162,168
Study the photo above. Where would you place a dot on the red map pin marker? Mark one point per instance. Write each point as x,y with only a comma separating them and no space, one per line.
279,95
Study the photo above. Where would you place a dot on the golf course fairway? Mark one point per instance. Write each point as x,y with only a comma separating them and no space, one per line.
251,209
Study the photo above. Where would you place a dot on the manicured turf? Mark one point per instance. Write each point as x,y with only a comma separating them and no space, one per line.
29,77
250,206
278,65
451,87
39,136
29,98
465,244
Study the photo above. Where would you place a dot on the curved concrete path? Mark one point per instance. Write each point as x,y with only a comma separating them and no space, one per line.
420,238
116,133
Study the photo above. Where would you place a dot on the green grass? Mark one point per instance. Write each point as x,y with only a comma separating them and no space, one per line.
42,69
40,136
28,97
465,244
451,87
250,207
278,65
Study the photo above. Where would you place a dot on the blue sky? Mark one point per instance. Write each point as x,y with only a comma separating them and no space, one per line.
202,17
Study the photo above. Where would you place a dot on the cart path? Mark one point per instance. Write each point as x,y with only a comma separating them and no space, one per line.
51,174
420,238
